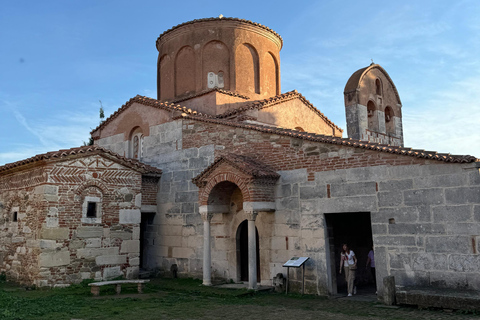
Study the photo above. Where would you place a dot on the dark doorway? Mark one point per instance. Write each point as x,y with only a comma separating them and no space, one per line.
242,251
146,239
354,229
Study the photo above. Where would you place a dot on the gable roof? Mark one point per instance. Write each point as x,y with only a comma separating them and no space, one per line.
348,142
146,101
290,95
220,19
356,78
245,164
79,151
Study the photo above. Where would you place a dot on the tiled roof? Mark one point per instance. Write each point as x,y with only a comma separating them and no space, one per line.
221,19
432,155
85,150
230,93
354,81
146,102
245,164
290,95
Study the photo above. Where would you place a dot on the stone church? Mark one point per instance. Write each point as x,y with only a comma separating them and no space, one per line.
227,178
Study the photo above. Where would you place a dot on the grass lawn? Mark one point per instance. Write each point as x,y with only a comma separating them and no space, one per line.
187,299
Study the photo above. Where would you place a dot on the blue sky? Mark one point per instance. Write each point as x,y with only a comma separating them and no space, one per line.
59,58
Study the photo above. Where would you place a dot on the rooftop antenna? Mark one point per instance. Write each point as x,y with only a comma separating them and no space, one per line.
372,62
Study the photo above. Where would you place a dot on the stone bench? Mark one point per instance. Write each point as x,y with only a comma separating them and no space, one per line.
95,290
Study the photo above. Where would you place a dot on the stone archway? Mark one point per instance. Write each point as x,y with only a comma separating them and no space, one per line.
216,184
242,252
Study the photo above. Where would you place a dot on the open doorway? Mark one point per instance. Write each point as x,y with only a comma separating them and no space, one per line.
354,229
242,251
146,238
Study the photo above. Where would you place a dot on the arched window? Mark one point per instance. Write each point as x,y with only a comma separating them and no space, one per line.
389,123
136,143
378,87
372,116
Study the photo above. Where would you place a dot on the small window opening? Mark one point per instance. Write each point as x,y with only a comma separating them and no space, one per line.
378,87
91,210
15,216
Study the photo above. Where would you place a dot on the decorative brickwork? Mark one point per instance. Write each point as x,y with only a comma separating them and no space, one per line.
81,224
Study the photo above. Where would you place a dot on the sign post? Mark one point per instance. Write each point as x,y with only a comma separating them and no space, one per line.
296,262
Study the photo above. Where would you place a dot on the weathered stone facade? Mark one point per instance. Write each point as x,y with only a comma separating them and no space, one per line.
251,178
48,237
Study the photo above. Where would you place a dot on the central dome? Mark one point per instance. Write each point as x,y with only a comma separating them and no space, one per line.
228,53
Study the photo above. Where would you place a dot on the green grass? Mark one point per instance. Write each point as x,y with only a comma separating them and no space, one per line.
180,299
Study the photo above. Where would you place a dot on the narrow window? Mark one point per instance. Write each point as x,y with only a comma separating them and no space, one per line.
91,210
15,216
136,146
378,87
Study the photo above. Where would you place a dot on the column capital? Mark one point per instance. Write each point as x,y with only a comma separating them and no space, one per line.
207,216
251,215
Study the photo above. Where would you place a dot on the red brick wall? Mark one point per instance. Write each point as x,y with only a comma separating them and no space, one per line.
287,153
149,190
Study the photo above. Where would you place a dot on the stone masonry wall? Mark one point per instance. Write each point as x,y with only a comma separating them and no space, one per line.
432,239
68,245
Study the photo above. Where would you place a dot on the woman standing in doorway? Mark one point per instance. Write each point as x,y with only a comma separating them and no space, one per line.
349,263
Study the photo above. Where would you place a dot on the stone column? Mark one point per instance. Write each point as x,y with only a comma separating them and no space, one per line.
207,256
252,251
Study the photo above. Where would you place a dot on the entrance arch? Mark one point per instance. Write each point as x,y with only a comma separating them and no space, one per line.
242,252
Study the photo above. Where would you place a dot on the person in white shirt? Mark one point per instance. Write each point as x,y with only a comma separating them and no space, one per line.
349,263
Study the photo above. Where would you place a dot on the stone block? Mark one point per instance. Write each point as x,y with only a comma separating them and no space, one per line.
395,241
89,253
436,181
476,213
138,200
367,203
121,234
190,196
54,259
181,252
450,280
400,214
423,197
130,216
352,189
135,233
463,195
134,261
447,214
89,232
291,203
399,260
110,273
395,185
448,244
110,260
130,246
93,243
293,176
429,261
463,262
466,228
379,228
414,228
55,233
390,198
367,173
313,193
312,221
48,244
334,176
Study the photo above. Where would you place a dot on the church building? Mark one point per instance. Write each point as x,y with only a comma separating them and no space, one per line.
227,178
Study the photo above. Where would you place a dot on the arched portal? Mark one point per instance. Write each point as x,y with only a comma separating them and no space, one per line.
242,252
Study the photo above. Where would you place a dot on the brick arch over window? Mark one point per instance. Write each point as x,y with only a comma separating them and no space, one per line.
91,183
215,181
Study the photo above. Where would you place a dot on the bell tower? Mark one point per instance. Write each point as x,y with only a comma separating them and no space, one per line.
373,107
